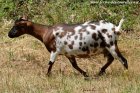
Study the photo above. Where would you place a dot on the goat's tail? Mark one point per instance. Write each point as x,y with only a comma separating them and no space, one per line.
118,28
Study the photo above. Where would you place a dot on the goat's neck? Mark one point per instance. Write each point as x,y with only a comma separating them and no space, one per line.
38,30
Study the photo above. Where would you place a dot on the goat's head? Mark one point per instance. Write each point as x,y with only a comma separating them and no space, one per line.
20,27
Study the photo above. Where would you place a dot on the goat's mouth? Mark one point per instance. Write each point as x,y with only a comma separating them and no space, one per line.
11,35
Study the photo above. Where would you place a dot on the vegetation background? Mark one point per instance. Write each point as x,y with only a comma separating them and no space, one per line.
24,60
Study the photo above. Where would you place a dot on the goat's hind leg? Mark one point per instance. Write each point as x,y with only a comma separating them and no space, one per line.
110,59
121,58
116,54
74,64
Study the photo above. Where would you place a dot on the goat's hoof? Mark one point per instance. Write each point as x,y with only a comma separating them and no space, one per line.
86,75
48,74
87,78
101,73
126,66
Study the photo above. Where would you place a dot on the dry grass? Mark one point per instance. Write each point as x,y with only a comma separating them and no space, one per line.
24,62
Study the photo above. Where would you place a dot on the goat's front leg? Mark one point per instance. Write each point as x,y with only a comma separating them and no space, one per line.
74,64
51,62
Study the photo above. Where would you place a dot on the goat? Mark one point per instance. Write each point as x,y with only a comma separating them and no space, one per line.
75,40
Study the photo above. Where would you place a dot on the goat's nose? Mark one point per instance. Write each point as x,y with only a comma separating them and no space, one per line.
10,35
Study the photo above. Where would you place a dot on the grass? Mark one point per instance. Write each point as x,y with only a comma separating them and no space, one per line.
24,60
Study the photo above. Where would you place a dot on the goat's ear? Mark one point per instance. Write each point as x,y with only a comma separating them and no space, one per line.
24,17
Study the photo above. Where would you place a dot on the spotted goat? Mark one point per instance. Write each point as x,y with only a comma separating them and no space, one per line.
74,40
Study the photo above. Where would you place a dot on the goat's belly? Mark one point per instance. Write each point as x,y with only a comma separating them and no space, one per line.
84,54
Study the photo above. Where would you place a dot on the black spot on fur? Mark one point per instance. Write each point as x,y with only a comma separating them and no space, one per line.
91,45
85,49
96,45
113,29
75,37
80,43
57,33
104,30
102,44
80,36
72,42
111,43
108,45
65,42
117,33
87,32
94,36
109,36
70,46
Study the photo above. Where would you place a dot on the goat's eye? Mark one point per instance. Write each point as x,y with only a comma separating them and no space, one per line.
14,31
17,27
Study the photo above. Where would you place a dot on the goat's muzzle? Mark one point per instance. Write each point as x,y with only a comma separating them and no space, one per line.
12,33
